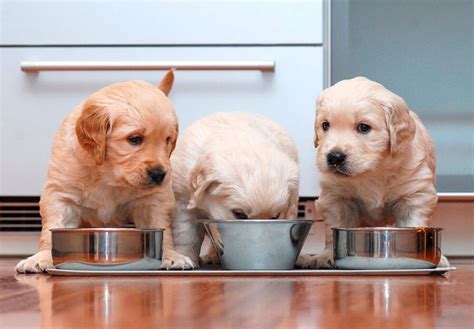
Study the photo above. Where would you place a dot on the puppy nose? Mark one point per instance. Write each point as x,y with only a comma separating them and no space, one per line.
157,175
335,158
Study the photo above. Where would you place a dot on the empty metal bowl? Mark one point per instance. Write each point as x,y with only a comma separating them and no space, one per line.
380,248
257,244
107,248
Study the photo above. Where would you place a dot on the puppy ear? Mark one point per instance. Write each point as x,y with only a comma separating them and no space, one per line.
316,139
175,139
319,102
293,200
400,124
201,182
91,130
166,83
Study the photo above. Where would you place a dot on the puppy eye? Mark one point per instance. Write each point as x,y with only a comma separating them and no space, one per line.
363,128
276,216
135,140
239,215
168,140
325,125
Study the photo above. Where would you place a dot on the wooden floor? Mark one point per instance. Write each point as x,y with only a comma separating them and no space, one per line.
41,301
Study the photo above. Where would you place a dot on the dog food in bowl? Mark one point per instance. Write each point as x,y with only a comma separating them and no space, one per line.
257,244
107,248
381,248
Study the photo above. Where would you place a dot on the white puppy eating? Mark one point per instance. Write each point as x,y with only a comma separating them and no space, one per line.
376,159
231,166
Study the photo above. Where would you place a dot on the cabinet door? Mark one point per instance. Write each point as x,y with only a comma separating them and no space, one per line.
139,22
33,105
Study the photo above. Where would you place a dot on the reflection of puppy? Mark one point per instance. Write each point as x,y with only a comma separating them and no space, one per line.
231,166
376,158
109,164
104,302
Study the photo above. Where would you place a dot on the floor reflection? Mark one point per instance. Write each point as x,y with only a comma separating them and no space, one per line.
93,302
381,303
213,302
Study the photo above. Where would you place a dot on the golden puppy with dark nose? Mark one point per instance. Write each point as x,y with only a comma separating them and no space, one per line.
376,159
110,164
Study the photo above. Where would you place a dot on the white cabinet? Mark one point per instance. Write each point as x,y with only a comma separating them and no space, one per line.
145,22
32,105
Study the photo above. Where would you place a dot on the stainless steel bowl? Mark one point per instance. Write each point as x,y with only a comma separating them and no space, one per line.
107,248
257,244
381,248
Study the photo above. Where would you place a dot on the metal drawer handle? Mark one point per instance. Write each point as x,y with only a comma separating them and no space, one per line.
455,197
37,66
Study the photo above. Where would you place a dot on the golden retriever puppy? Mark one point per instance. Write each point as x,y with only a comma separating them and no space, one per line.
110,164
231,166
376,159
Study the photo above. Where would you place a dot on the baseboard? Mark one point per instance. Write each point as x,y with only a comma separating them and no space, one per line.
19,243
455,217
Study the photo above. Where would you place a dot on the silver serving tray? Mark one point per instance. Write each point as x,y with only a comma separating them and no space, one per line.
219,272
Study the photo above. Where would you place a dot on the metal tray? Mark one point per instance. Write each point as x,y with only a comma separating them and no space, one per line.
219,272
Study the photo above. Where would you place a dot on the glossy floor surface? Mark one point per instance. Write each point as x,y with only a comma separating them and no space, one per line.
41,301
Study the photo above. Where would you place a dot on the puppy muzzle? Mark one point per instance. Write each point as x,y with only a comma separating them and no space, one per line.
155,176
336,163
335,159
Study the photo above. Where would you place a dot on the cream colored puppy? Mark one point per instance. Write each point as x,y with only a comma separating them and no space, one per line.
376,159
110,164
231,166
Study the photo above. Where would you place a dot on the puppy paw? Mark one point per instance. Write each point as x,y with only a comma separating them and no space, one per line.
323,260
210,259
303,261
444,262
37,263
175,261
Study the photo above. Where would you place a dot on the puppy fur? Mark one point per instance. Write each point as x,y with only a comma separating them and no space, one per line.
98,176
231,162
387,176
